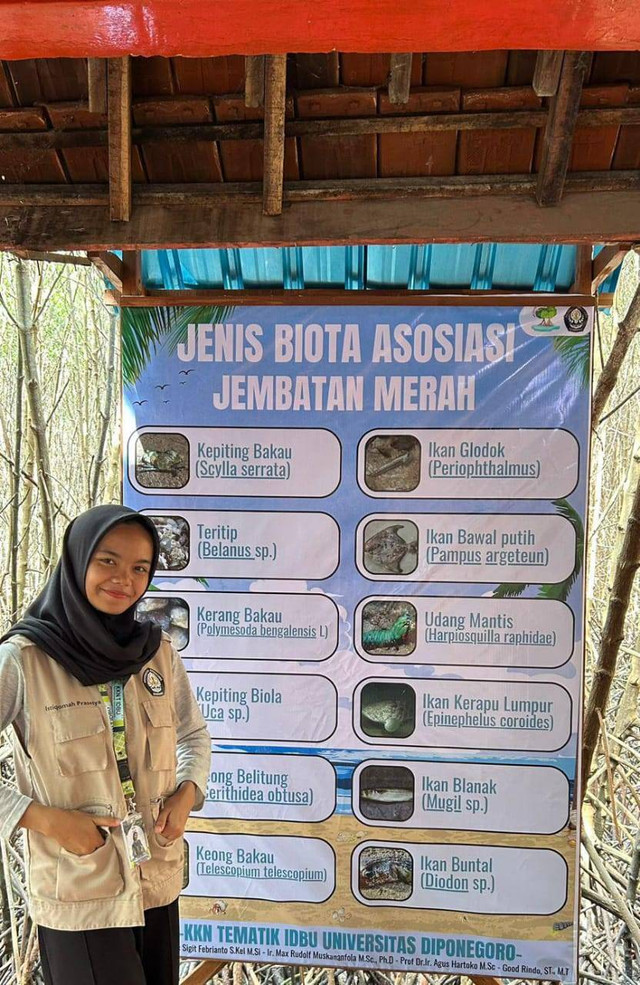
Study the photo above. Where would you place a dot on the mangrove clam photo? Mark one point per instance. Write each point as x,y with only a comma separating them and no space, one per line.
171,614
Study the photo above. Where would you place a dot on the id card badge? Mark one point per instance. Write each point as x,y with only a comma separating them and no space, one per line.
135,839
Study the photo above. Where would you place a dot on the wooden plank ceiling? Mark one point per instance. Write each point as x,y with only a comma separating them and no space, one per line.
263,133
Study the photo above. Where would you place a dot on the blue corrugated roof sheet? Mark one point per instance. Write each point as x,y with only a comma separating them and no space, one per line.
482,266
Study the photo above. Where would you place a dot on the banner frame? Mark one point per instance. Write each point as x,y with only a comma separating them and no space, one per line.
142,297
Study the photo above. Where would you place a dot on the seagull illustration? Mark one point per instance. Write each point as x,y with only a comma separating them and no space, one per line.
165,401
183,382
139,403
164,386
185,372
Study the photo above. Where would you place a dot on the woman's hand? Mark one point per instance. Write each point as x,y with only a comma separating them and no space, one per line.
74,831
173,817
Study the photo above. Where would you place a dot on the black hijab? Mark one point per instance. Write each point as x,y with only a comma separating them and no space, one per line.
92,645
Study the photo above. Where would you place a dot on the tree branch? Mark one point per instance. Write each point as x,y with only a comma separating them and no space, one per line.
612,633
627,329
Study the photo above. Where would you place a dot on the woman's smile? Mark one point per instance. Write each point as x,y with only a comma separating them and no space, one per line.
116,594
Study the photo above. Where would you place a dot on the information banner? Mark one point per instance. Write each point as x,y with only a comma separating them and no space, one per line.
372,535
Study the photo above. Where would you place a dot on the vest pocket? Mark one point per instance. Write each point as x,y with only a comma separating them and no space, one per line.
164,853
80,740
82,878
161,734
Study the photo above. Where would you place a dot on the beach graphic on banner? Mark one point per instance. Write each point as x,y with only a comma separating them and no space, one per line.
371,523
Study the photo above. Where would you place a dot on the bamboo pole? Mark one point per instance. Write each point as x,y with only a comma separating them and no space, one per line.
27,336
105,412
14,533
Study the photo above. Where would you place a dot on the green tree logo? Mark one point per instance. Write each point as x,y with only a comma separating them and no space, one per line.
546,316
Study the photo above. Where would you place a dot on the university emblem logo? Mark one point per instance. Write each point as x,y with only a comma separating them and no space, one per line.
153,681
576,319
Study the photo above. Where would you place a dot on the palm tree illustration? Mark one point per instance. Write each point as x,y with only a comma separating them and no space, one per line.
144,330
560,590
575,351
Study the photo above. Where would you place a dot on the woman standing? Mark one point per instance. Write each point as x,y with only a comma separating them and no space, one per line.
112,754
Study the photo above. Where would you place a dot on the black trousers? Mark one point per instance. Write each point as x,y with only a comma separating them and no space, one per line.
146,955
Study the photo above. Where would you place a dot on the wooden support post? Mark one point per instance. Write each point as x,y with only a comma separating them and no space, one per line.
608,260
119,98
254,80
558,136
547,72
132,274
97,84
203,972
400,78
582,280
275,87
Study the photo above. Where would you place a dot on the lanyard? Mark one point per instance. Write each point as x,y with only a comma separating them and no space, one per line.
115,711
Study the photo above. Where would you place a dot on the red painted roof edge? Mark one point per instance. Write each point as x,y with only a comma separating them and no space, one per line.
106,28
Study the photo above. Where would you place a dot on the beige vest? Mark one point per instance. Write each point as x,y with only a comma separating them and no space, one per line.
70,763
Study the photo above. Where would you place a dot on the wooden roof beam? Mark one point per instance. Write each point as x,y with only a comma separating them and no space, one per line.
546,76
339,127
231,193
275,89
119,105
581,217
45,257
558,135
400,78
254,80
332,295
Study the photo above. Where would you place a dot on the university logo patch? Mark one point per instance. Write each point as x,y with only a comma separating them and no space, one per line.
576,319
153,681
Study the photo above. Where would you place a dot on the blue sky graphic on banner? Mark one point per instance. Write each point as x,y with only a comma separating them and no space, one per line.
372,533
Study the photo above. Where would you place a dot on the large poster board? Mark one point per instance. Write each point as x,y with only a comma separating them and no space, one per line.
372,529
